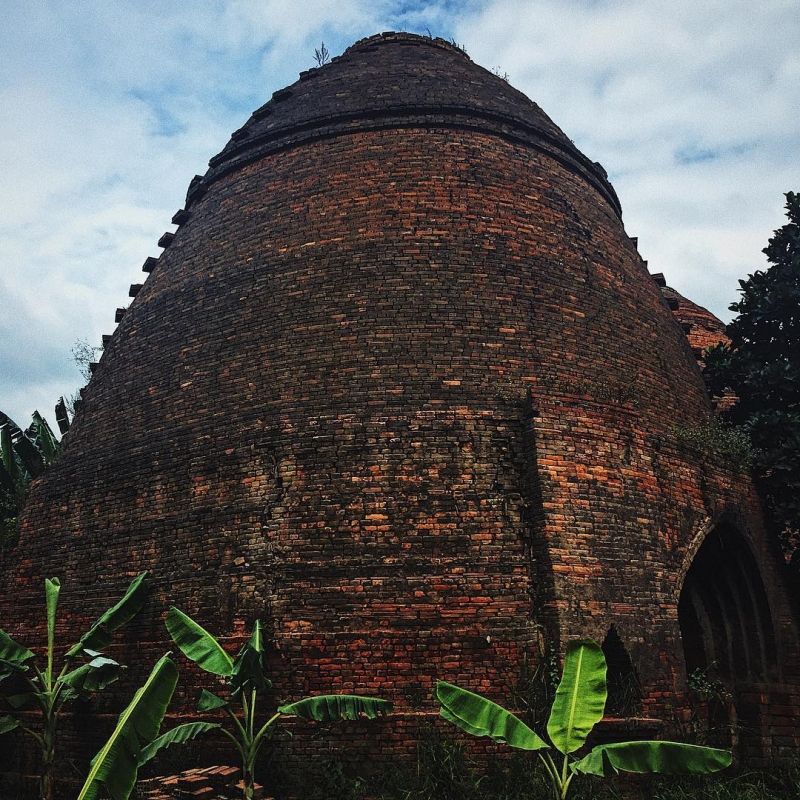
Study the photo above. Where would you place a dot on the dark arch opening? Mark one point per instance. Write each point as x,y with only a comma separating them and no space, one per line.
728,636
624,689
724,617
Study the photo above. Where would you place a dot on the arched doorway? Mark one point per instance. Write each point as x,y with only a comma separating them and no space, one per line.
728,636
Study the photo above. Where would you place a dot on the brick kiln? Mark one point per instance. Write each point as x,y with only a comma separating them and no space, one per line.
402,386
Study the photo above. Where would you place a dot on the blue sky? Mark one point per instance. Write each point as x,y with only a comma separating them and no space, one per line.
107,110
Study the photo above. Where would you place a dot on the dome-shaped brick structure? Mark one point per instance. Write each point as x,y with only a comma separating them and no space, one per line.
703,330
401,386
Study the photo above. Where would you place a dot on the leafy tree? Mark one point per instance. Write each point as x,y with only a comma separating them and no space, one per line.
761,366
25,685
578,706
9,510
83,354
245,677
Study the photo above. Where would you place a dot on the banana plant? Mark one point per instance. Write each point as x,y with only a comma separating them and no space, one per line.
24,455
578,706
115,768
26,685
245,679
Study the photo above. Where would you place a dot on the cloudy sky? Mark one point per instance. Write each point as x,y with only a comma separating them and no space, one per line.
107,110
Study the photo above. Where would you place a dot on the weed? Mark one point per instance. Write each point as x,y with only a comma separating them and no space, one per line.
321,55
715,438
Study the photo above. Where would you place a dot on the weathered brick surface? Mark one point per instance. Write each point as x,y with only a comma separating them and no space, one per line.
402,387
702,328
703,331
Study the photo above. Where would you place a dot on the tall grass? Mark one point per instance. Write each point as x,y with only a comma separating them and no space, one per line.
444,770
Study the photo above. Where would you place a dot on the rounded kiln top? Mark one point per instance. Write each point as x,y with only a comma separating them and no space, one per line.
394,80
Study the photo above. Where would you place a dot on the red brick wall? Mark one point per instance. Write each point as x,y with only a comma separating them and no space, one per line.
702,328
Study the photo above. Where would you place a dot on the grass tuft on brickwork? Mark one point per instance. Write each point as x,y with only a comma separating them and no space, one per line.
717,439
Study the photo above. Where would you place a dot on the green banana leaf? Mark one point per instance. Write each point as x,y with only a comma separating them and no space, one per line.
208,701
13,654
8,670
197,644
31,457
9,458
7,483
52,588
328,707
249,666
115,768
8,724
481,717
580,698
42,437
6,420
92,677
122,612
664,758
178,735
62,418
24,699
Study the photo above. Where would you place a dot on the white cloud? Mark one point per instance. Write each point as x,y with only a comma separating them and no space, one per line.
643,87
109,110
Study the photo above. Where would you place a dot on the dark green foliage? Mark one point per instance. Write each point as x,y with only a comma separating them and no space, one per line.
762,367
536,686
718,439
179,735
578,706
322,55
62,417
121,613
445,771
246,681
707,687
114,770
711,721
24,455
328,708
776,784
9,509
330,778
34,691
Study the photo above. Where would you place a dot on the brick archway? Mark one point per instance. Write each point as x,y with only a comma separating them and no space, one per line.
727,629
